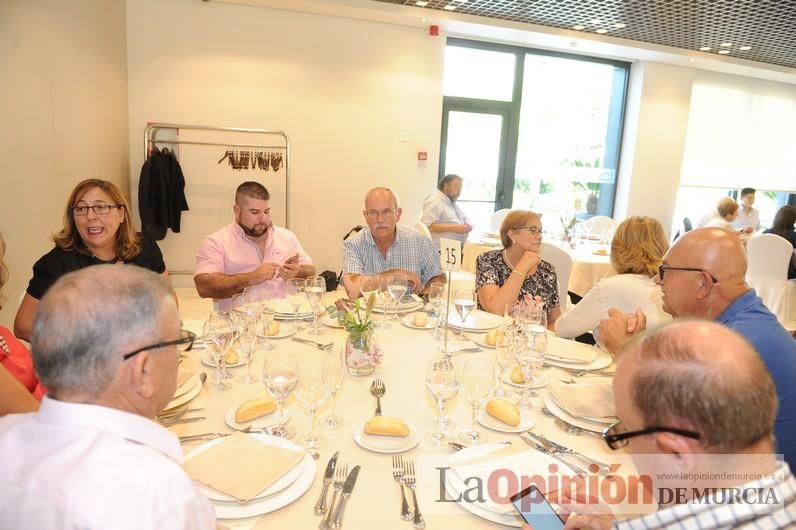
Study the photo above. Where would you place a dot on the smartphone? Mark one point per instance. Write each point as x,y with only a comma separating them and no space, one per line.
536,510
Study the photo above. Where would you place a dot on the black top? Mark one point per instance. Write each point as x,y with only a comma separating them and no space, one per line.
492,269
58,262
791,237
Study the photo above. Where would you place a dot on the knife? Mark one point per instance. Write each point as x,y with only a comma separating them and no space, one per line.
348,487
602,468
328,476
542,449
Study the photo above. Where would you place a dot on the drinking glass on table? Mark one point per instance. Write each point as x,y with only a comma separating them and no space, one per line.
333,373
504,358
478,382
248,343
311,392
535,317
267,313
220,331
315,289
397,286
280,376
436,292
443,385
529,353
464,300
295,296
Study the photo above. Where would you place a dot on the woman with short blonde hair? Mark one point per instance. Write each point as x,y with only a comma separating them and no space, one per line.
727,210
636,251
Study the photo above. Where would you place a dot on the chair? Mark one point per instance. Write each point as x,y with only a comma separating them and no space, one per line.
562,261
423,229
598,224
769,256
497,219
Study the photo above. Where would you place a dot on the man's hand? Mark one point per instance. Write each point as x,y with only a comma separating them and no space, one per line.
290,268
266,271
619,327
463,229
413,281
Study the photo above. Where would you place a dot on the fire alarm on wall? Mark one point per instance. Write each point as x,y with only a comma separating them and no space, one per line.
433,30
422,155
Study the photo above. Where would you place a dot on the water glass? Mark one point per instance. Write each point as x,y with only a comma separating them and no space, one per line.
311,391
333,373
478,381
295,296
397,287
220,330
315,289
267,314
280,376
248,343
464,300
442,383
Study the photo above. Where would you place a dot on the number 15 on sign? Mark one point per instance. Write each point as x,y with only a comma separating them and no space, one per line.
450,253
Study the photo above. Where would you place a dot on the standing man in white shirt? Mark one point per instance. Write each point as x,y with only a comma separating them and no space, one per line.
442,215
105,344
748,219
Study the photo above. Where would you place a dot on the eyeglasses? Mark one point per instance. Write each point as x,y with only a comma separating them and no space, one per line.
98,209
663,268
184,343
534,230
616,437
375,214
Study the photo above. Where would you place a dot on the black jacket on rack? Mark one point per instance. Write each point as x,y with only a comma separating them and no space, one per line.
161,194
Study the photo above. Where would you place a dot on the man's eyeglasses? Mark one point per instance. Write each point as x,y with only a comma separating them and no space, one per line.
616,437
184,343
534,230
663,268
384,214
98,209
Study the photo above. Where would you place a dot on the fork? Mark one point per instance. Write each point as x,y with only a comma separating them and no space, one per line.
602,468
409,479
320,345
398,475
546,449
377,389
340,475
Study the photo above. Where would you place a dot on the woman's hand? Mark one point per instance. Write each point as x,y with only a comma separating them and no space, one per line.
529,262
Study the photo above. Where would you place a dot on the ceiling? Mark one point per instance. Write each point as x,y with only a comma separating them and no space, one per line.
768,27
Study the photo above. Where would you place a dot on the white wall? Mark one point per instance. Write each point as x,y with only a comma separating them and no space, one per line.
63,102
342,89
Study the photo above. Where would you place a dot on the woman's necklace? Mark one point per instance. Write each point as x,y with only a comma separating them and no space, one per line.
508,262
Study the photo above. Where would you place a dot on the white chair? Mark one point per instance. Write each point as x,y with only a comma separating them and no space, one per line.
598,224
562,261
497,219
769,256
423,229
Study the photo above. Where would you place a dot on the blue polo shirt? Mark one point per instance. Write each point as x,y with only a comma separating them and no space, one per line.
750,318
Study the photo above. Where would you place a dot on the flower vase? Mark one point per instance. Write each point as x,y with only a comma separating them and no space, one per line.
362,353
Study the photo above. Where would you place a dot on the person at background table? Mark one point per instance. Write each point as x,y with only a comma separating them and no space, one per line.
703,275
97,229
638,245
384,248
658,379
442,215
517,272
748,219
727,212
251,251
105,344
783,227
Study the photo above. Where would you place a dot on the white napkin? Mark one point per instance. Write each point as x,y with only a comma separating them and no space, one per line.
586,400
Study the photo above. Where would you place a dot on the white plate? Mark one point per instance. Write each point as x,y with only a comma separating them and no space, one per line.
480,339
403,308
558,348
286,480
285,330
454,486
386,444
476,321
186,397
187,386
326,320
273,503
608,420
557,411
543,380
283,307
257,423
209,361
409,323
526,422
602,360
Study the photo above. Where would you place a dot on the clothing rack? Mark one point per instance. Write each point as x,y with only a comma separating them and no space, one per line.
151,140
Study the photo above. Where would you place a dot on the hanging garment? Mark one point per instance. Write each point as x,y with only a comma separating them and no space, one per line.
161,194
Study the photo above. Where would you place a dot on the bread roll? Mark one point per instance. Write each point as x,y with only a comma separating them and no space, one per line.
517,376
386,426
254,408
421,319
232,356
503,410
273,328
494,337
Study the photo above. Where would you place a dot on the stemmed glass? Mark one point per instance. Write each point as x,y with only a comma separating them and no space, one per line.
536,317
315,289
267,314
529,353
504,358
280,376
436,291
333,372
443,384
397,287
370,284
311,392
478,381
464,301
248,343
295,296
220,329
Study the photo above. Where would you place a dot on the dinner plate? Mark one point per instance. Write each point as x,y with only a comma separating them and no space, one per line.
386,444
606,420
542,380
186,397
257,423
557,411
480,339
209,361
326,320
409,322
186,386
602,360
265,505
403,308
558,348
527,421
286,480
476,321
285,330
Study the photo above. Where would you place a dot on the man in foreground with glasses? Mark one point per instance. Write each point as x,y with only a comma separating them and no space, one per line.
250,251
442,215
703,276
385,248
696,407
105,343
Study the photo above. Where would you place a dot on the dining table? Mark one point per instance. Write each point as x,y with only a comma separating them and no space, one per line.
376,499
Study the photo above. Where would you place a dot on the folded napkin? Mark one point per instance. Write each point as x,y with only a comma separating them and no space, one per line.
183,374
585,401
570,351
241,466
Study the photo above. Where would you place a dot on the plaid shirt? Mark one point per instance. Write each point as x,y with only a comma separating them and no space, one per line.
737,514
410,251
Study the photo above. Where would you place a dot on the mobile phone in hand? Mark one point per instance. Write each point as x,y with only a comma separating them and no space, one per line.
536,510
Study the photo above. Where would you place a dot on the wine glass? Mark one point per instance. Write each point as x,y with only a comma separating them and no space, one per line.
267,313
464,301
529,353
504,358
295,296
333,372
478,381
370,284
536,317
315,289
248,343
280,376
436,292
311,392
443,385
397,286
220,329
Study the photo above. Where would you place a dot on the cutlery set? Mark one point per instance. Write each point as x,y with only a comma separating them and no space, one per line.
557,451
403,472
342,482
323,346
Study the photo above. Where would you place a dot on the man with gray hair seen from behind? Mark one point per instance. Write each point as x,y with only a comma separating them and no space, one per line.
385,249
442,215
105,343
